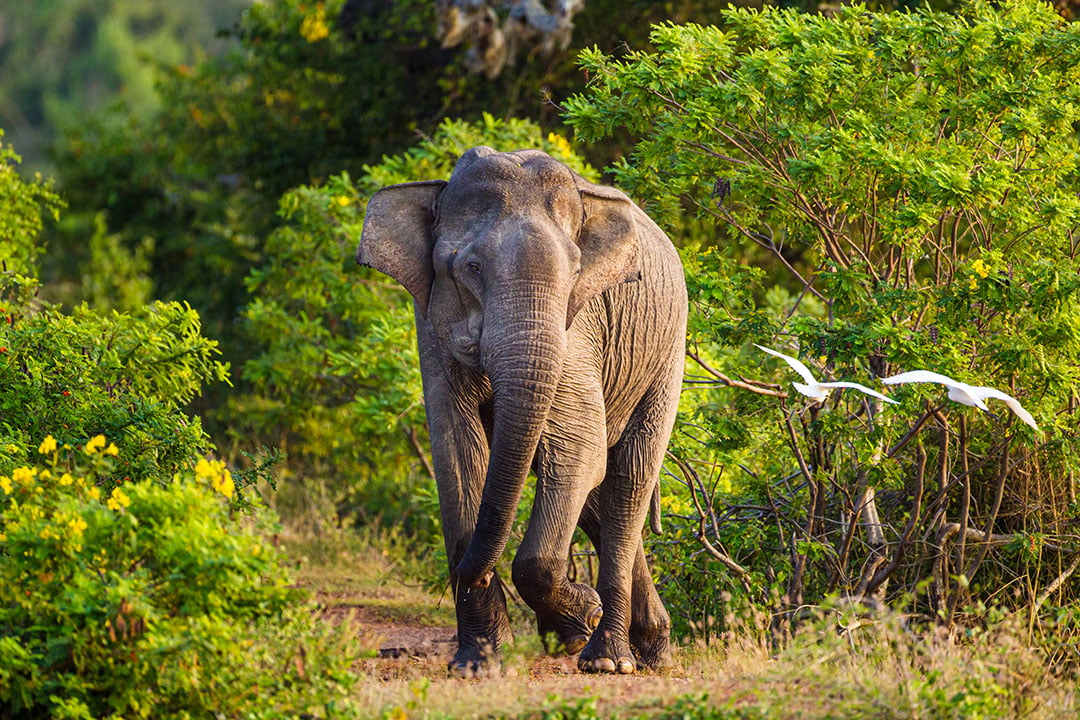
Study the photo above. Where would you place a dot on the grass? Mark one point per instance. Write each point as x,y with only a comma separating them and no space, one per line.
883,670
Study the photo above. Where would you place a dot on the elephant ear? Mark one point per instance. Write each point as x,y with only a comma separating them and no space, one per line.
609,244
397,235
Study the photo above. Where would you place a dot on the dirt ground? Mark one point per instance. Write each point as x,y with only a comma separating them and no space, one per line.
412,636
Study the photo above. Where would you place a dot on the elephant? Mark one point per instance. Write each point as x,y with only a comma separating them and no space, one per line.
551,324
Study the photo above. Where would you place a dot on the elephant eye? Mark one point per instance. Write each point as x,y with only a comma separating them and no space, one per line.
473,267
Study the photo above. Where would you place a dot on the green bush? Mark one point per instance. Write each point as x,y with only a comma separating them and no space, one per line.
148,600
80,374
874,192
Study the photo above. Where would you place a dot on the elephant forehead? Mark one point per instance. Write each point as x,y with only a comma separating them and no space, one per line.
525,184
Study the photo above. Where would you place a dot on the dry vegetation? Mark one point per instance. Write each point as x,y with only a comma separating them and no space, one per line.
877,667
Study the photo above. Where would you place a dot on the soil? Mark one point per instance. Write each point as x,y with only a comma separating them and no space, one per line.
408,670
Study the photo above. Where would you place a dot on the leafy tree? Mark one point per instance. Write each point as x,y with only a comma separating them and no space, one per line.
65,59
876,192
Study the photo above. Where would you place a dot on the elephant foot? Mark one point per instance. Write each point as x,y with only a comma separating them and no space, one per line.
474,662
605,654
652,644
568,629
652,652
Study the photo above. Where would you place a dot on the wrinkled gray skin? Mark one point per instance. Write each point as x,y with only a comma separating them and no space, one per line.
551,319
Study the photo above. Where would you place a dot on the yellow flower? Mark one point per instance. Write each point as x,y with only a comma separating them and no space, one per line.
23,474
204,469
314,27
112,450
343,200
560,143
972,283
46,534
96,443
47,445
66,479
224,484
980,268
5,484
44,475
217,474
94,493
77,525
118,499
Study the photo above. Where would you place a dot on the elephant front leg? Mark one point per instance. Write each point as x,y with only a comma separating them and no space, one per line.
569,463
482,629
459,450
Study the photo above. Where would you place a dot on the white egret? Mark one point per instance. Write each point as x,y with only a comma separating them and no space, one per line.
972,395
819,390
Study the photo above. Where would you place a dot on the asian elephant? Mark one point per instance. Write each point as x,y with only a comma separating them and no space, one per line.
551,322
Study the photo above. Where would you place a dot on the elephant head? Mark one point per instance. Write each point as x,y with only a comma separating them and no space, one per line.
499,260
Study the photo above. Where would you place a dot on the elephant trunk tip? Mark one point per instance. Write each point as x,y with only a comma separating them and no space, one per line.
472,574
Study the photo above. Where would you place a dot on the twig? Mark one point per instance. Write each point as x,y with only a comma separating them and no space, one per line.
759,388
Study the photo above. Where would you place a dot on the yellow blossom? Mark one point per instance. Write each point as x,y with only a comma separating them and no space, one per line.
224,484
47,445
217,474
972,283
314,27
3,537
980,268
118,499
560,143
5,484
112,450
44,475
23,474
66,479
46,533
96,443
343,200
94,493
77,525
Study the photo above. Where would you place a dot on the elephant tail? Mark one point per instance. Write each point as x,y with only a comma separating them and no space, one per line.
654,510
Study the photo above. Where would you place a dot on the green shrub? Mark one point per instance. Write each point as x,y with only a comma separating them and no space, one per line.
148,600
875,192
81,374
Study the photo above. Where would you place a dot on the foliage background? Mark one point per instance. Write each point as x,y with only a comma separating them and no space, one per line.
873,191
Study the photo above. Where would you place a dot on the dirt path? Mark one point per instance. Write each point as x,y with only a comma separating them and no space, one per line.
414,644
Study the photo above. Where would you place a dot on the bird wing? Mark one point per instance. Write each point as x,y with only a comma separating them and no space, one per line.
1012,403
795,364
861,388
920,376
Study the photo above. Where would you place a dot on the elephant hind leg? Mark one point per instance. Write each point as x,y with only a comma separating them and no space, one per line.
650,624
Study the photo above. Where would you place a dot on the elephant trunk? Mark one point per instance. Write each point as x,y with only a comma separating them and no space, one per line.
522,355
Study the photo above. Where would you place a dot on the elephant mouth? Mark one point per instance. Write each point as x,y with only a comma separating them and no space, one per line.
466,351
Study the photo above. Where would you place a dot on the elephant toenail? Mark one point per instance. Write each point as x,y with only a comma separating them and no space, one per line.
594,617
575,644
600,665
625,666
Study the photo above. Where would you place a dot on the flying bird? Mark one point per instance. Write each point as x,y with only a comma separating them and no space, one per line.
820,390
972,395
